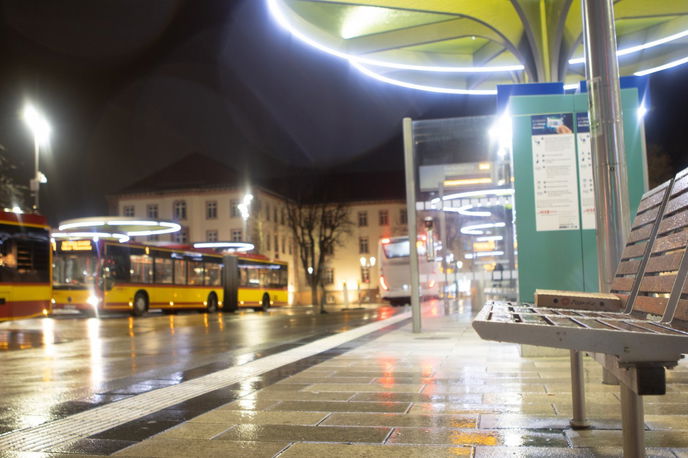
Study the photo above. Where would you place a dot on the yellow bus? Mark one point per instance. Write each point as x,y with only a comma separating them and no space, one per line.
24,266
91,276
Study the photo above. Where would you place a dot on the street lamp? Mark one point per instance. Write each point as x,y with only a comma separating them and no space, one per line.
41,135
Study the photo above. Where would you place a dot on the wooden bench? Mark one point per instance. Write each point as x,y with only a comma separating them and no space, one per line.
649,332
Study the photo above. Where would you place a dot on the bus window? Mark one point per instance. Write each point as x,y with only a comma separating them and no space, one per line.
74,269
243,276
163,271
195,273
141,269
213,274
117,265
180,272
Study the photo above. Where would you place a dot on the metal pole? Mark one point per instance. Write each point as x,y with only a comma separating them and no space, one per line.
410,166
633,424
443,235
578,391
35,183
612,212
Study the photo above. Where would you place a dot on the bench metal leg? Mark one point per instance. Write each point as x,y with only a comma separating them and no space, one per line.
633,423
578,391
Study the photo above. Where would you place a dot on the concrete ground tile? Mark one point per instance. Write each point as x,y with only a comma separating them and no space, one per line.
298,396
669,439
250,404
240,417
548,452
589,387
374,373
667,421
519,421
334,406
474,437
491,388
283,386
295,433
402,420
191,430
393,388
184,448
441,408
418,397
333,379
300,450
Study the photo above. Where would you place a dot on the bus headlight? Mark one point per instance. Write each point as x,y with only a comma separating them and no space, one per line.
93,301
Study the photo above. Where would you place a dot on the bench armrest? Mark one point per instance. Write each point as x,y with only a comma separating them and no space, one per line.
578,300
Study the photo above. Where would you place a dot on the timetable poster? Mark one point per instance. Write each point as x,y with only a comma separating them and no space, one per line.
555,178
585,180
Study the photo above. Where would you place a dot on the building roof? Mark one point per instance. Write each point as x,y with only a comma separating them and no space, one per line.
197,171
190,172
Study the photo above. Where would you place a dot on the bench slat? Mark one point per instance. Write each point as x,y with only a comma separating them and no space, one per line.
634,251
671,223
665,263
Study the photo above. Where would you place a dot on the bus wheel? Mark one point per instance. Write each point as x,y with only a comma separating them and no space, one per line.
212,303
140,304
265,303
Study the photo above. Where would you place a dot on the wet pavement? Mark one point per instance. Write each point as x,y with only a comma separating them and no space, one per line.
390,392
56,367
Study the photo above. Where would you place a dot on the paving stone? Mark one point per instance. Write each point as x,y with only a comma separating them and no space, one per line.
300,450
184,448
280,433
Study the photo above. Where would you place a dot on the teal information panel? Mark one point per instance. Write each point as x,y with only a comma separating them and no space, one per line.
554,192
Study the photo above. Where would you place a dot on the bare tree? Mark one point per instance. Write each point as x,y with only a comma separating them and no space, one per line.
317,227
11,194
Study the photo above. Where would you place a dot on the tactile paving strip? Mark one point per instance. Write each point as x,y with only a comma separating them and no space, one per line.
90,422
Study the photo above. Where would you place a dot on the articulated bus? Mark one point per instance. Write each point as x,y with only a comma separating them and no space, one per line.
24,266
91,276
395,270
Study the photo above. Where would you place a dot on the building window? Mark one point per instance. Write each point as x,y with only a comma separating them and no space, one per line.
363,245
233,208
403,216
328,278
152,211
236,235
274,214
128,210
284,245
267,211
268,238
384,217
365,274
179,209
276,242
291,246
282,216
362,219
211,236
211,209
182,236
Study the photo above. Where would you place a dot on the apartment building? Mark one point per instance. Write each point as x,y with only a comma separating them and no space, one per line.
213,203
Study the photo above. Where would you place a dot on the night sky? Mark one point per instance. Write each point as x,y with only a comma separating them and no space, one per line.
130,86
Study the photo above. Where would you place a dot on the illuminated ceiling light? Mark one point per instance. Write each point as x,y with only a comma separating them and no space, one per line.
280,17
483,254
475,229
633,49
571,87
227,246
64,227
466,211
91,235
422,87
483,192
467,181
666,66
129,226
484,166
487,238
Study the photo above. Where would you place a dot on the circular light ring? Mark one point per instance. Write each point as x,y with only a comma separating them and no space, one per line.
475,229
130,226
91,235
227,246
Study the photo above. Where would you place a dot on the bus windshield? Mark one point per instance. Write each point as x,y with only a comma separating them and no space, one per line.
74,269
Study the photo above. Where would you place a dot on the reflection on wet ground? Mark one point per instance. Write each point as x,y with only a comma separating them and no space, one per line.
53,368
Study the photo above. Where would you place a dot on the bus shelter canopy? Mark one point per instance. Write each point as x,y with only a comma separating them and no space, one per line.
469,46
113,227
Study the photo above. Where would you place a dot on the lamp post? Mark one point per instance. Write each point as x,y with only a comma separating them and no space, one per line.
41,135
